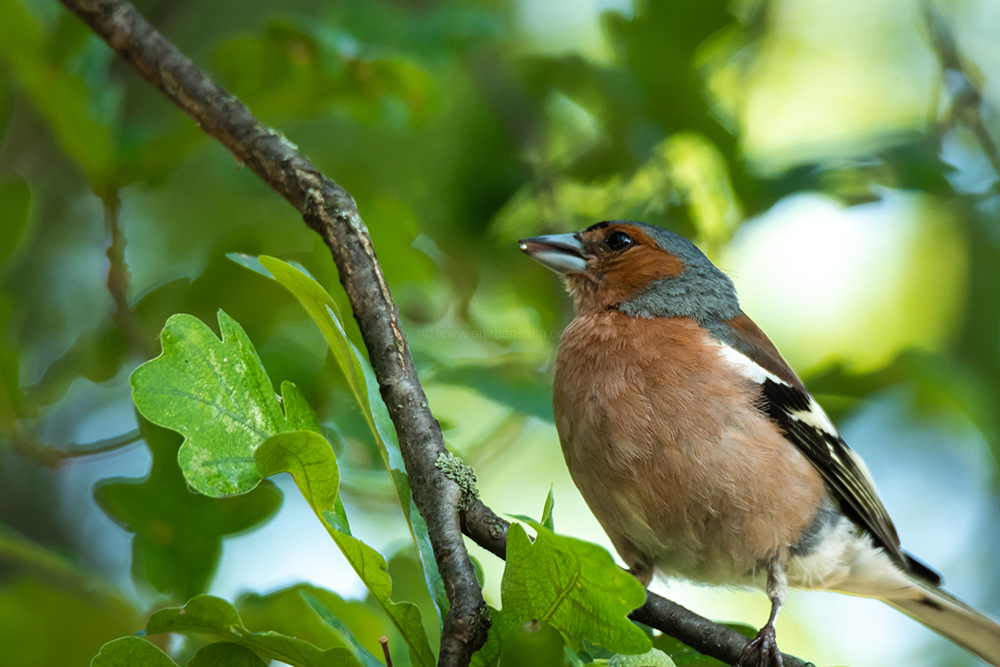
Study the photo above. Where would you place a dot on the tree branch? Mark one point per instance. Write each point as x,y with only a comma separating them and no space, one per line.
119,277
719,641
330,211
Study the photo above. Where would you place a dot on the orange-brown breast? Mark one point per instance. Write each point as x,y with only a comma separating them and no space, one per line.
666,446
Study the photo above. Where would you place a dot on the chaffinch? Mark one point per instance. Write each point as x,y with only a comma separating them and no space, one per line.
702,454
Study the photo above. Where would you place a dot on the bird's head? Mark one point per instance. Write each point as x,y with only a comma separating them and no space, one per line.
637,268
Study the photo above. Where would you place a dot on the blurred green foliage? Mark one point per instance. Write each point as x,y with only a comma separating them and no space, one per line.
178,534
459,126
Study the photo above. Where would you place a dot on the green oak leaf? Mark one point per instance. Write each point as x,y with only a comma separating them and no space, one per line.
225,654
550,503
408,584
286,611
488,655
652,658
331,619
178,534
683,655
219,397
533,643
547,520
574,586
313,465
323,310
216,618
131,652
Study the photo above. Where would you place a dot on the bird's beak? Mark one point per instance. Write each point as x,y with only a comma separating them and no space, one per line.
563,253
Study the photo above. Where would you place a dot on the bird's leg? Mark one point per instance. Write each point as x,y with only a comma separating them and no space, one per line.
765,644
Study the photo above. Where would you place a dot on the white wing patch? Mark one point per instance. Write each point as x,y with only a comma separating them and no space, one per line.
746,367
815,416
809,428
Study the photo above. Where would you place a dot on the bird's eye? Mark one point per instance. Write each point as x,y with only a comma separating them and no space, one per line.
618,240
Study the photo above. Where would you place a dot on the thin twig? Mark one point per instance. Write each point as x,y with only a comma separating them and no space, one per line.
119,277
384,641
52,456
967,99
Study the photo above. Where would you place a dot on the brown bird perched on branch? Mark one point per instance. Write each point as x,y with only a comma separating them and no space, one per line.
700,451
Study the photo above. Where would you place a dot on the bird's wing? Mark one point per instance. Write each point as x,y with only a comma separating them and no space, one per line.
809,428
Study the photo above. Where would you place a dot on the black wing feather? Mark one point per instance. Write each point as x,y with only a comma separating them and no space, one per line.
842,470
785,399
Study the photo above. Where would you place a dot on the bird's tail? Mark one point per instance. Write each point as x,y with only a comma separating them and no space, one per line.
950,617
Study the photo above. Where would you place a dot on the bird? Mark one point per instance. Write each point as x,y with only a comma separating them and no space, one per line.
700,451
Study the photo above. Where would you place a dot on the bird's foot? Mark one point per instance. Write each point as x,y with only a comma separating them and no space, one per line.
765,647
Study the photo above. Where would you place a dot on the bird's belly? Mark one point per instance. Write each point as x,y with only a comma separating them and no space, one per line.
705,534
673,457
707,509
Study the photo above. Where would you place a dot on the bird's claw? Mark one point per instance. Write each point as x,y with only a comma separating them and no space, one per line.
765,647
